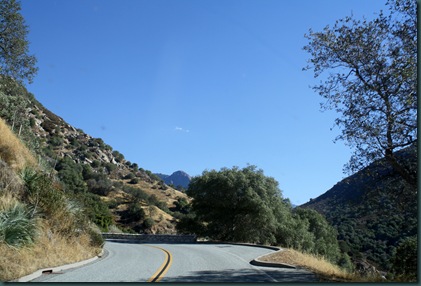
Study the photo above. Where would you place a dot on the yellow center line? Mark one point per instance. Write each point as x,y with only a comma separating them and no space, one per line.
162,270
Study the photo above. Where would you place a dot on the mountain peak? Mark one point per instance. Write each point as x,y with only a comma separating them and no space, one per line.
178,178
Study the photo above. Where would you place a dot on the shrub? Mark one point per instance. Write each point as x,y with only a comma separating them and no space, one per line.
112,204
148,223
56,140
405,259
133,213
41,192
95,209
95,164
48,126
110,167
129,176
74,142
134,181
134,166
97,183
182,206
96,239
17,226
71,175
118,156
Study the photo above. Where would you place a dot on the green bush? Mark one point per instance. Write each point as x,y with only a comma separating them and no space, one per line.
138,194
325,236
129,176
41,193
96,239
97,183
110,167
134,166
95,164
74,142
148,223
56,140
17,226
405,259
134,213
95,209
118,156
71,175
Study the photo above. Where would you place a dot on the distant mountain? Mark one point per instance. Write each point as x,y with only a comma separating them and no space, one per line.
372,210
178,178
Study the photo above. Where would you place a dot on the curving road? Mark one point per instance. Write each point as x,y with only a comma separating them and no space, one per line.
135,262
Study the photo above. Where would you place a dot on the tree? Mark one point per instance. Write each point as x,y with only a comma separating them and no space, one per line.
371,81
236,205
15,62
405,259
325,235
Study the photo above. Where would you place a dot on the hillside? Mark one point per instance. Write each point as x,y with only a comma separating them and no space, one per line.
88,165
35,212
373,210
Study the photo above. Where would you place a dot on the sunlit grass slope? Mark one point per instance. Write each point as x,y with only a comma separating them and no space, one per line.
39,226
13,151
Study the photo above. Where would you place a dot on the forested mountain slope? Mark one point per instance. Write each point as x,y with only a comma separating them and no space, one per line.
373,210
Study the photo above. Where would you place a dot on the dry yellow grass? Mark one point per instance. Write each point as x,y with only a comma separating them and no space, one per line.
318,265
50,250
168,196
13,151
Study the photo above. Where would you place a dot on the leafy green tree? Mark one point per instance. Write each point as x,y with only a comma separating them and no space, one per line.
293,233
15,61
236,204
405,259
371,80
325,236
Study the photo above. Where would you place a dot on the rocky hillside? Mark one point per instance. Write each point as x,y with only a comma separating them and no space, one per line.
129,197
178,179
373,210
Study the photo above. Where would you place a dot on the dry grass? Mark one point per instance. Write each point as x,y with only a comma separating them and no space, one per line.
162,220
13,151
169,196
7,200
57,242
326,270
50,250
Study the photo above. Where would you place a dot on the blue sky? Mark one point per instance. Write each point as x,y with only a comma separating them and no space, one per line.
194,84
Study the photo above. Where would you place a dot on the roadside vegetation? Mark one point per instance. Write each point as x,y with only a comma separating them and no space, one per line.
323,268
243,205
39,225
57,193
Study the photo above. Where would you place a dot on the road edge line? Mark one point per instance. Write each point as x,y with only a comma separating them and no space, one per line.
39,272
257,261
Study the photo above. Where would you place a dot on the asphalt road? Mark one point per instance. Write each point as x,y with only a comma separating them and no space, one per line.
133,262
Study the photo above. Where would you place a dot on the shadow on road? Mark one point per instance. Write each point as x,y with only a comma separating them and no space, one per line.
246,275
